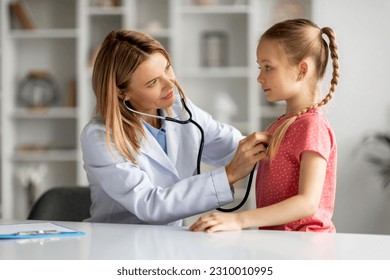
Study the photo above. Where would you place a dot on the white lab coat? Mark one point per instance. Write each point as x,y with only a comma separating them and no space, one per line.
161,188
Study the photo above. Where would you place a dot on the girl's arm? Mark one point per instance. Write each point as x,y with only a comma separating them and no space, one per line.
304,204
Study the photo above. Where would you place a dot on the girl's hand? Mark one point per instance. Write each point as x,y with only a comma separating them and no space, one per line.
217,222
250,150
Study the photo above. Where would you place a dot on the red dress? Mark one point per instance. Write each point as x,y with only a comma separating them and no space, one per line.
278,181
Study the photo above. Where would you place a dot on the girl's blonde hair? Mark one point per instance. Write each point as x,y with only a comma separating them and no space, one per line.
300,39
119,56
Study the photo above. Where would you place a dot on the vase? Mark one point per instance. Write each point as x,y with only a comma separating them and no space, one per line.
38,90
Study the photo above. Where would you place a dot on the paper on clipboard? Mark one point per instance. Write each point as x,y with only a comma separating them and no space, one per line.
35,230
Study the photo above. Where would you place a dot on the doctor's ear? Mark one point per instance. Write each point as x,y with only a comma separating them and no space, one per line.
123,95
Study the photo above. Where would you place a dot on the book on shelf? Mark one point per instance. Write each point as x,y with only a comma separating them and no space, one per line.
92,56
21,14
71,98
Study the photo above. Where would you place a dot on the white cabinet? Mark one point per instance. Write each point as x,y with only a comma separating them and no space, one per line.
1,94
212,44
39,144
206,80
96,21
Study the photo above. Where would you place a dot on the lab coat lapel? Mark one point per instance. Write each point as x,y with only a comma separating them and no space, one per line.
182,144
152,149
173,140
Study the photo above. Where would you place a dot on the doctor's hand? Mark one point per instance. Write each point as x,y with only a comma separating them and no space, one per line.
217,222
250,150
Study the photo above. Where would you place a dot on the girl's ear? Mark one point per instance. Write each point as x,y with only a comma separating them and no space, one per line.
303,68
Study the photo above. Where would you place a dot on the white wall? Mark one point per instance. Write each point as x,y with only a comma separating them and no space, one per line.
361,106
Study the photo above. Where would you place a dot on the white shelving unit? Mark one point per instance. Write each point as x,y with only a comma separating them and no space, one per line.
38,142
1,95
66,34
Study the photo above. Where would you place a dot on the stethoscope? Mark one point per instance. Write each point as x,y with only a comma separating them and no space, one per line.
200,151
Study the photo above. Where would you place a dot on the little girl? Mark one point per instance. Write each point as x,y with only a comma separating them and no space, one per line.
296,183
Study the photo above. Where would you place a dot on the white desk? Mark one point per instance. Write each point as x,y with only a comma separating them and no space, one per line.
118,242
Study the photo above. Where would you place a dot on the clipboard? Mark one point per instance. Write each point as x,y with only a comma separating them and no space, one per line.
36,230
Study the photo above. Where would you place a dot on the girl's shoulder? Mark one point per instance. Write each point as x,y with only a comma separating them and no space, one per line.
312,117
311,123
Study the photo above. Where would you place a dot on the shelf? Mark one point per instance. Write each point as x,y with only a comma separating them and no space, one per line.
46,155
66,34
104,11
45,113
215,9
158,33
49,134
44,33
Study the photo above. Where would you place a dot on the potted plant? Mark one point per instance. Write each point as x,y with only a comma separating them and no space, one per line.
379,155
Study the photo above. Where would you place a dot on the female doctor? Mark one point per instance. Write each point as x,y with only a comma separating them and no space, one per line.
142,169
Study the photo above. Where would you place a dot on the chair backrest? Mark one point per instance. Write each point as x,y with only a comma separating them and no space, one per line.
62,204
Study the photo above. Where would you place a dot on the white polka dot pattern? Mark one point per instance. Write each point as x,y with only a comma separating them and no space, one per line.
279,179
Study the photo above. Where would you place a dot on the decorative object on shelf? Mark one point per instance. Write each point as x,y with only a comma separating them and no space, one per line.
241,2
20,13
214,51
378,146
203,2
38,90
35,148
72,91
225,107
109,3
154,25
32,148
288,9
32,178
92,56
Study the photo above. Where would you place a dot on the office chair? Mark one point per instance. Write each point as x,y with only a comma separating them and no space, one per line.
62,204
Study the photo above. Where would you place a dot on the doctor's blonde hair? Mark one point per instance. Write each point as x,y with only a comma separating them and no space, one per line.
120,54
299,39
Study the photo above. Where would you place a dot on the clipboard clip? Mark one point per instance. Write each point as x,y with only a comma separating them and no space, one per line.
37,232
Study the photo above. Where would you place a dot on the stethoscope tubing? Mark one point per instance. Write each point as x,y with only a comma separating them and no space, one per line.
201,145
